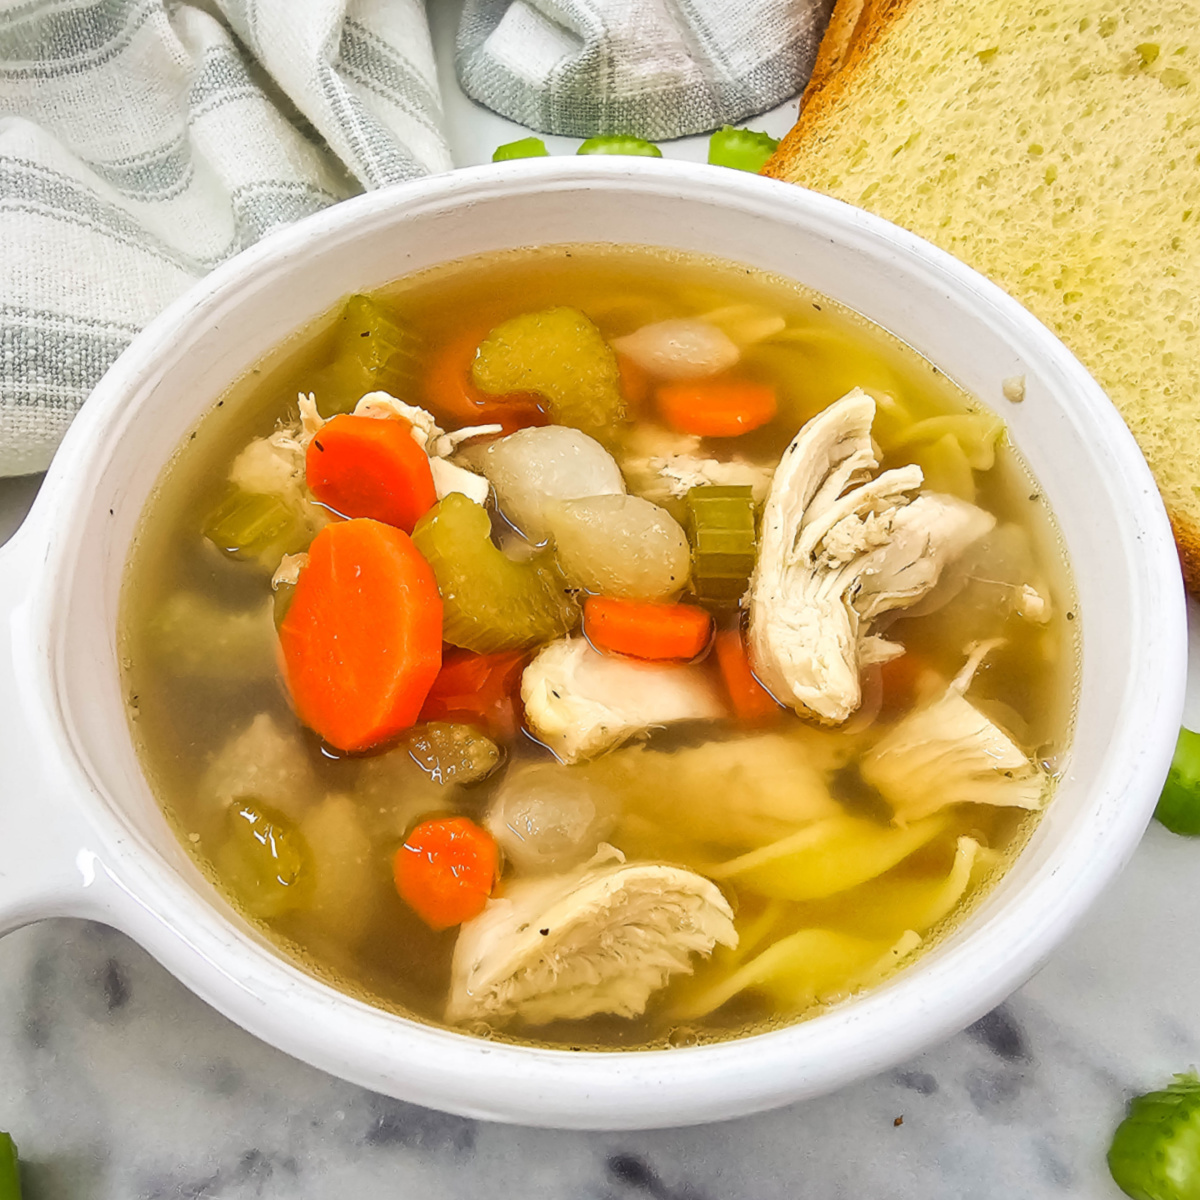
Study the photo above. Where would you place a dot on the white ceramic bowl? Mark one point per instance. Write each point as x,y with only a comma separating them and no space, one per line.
81,834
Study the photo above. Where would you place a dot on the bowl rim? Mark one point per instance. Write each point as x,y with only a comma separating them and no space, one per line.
591,1089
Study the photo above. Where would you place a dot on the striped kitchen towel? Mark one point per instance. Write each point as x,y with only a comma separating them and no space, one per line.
144,141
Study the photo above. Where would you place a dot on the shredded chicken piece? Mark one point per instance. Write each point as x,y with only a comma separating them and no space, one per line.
840,547
599,939
580,703
659,465
1032,604
947,752
288,571
682,472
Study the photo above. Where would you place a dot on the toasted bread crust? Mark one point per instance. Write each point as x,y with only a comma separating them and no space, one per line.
1187,541
856,28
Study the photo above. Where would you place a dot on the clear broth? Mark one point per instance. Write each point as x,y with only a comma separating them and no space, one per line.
368,942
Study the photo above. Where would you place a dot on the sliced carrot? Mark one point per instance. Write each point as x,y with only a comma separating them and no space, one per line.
635,382
478,689
371,467
900,680
751,701
716,407
450,391
446,870
362,639
642,630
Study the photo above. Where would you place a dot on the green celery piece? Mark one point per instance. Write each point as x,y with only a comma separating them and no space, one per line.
1155,1152
372,352
450,753
10,1172
1179,805
264,859
620,143
490,603
252,526
720,522
559,354
742,149
530,147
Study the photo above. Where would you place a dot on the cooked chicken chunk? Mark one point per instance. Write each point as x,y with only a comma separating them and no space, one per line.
660,466
599,939
947,752
839,547
580,703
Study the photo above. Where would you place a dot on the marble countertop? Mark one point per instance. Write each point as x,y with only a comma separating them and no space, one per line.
118,1083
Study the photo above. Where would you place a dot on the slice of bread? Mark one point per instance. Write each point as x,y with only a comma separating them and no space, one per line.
1055,148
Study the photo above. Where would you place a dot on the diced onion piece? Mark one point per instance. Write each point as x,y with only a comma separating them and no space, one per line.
620,546
684,348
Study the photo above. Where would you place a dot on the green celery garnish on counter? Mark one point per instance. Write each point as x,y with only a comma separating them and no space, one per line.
1179,805
530,147
720,524
620,143
741,149
1155,1153
10,1173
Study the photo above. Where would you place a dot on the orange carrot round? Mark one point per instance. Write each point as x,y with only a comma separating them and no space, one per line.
362,639
371,467
642,630
449,390
751,702
635,382
446,870
716,407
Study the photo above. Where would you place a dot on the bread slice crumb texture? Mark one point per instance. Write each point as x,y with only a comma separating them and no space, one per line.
1057,150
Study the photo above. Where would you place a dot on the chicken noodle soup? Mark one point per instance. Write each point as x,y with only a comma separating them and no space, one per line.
599,647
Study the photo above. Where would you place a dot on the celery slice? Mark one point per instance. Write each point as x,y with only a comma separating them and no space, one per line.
619,143
10,1175
720,520
450,753
264,859
251,526
559,354
530,147
372,352
741,149
1155,1152
489,601
1179,805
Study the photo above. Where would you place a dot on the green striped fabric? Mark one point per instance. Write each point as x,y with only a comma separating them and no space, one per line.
142,142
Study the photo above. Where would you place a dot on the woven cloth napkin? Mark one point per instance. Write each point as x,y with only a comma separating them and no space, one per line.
142,142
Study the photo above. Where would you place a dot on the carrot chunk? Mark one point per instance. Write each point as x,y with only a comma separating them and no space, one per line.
641,630
450,390
635,382
716,407
750,700
371,467
446,870
479,689
362,639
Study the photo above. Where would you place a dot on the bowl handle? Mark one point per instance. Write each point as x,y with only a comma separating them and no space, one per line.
46,866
